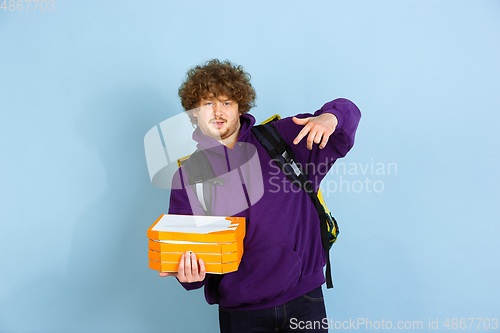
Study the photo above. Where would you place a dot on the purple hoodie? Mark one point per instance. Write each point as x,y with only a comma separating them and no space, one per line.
283,256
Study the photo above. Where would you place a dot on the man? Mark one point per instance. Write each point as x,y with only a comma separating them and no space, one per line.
281,271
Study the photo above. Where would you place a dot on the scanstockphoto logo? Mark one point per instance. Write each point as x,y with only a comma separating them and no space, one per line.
360,177
234,180
367,177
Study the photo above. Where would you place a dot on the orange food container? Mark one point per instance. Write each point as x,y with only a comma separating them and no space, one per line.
218,241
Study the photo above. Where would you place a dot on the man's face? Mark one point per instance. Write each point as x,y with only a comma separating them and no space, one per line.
219,118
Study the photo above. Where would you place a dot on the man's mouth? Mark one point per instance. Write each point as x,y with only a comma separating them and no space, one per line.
218,123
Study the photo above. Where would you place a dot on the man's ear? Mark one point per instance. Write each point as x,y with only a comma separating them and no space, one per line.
194,112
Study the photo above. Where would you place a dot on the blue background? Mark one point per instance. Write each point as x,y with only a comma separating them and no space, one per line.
81,86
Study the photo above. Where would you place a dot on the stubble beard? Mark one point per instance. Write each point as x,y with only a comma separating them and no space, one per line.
210,130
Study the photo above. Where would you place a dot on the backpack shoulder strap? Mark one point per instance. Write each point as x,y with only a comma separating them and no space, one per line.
276,147
270,138
201,179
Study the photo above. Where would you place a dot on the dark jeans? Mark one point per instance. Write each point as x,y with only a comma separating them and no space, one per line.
302,314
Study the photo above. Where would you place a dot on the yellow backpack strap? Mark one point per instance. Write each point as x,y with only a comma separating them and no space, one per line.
271,119
320,197
182,160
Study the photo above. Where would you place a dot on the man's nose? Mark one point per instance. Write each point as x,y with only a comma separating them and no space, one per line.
216,109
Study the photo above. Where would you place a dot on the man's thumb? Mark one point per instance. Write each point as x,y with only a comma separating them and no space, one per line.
300,121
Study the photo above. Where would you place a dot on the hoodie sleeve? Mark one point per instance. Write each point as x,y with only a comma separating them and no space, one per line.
194,285
317,162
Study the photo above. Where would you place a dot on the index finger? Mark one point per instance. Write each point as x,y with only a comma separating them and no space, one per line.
181,267
202,268
302,134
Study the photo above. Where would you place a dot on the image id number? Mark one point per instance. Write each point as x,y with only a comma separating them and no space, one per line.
26,5
471,323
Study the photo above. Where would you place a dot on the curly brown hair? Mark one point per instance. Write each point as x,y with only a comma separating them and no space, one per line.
217,78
